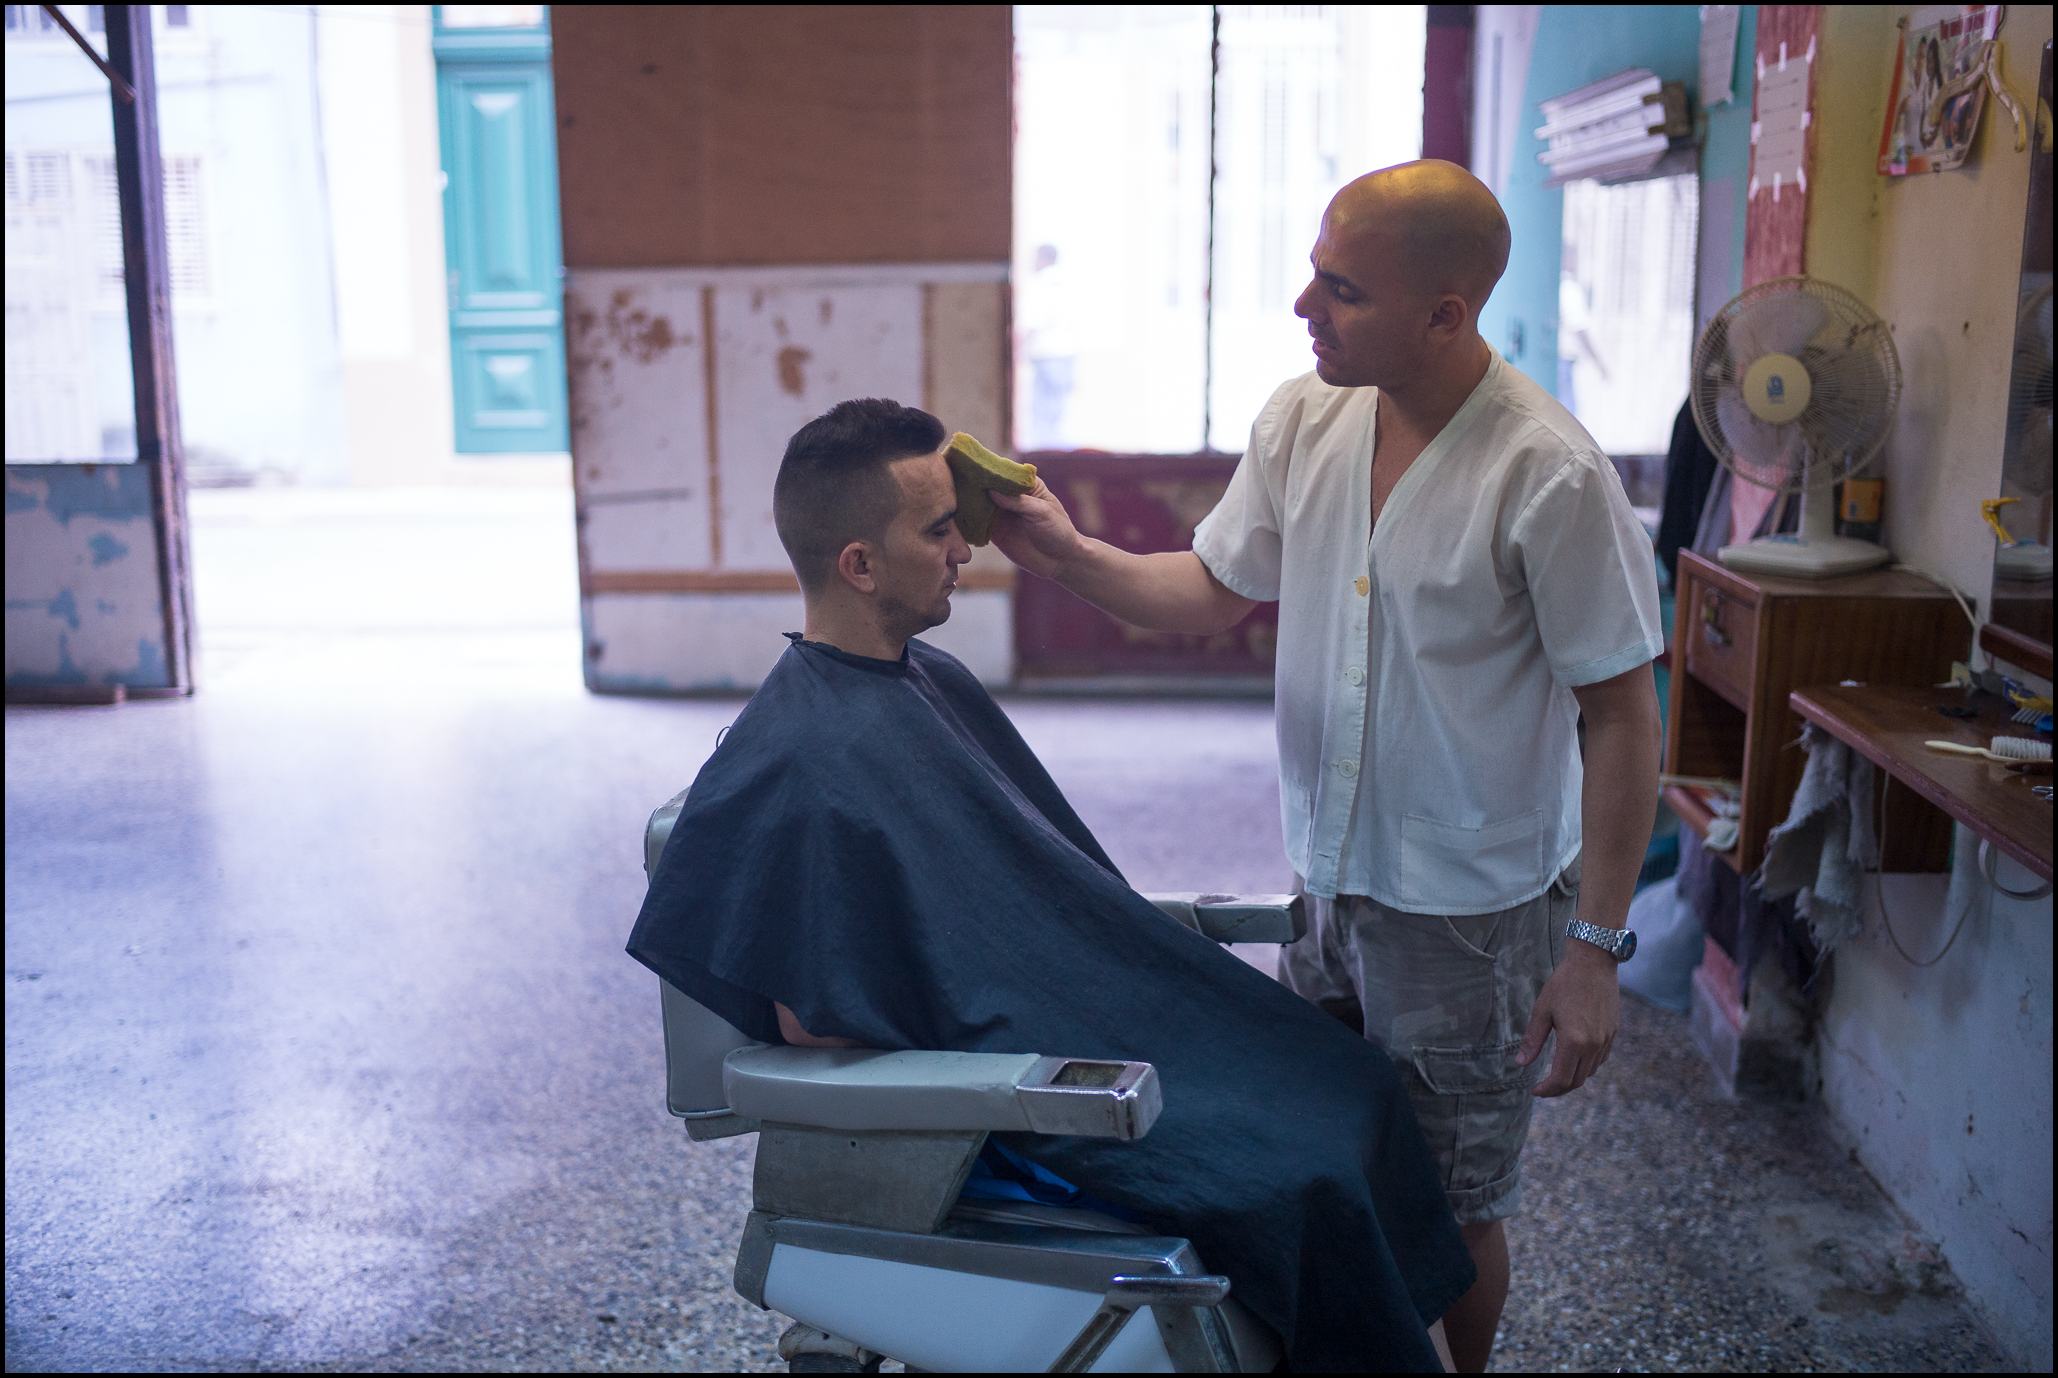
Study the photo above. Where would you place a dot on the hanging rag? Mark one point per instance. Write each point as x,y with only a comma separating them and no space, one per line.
1822,851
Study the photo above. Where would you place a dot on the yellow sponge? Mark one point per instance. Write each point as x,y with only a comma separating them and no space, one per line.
978,472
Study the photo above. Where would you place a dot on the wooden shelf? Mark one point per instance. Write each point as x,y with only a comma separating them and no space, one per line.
1693,809
2017,646
1691,806
1742,643
1888,724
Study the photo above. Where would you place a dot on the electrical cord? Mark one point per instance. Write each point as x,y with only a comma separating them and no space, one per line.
1879,893
1964,606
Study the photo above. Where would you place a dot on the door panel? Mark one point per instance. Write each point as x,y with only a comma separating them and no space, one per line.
502,245
513,382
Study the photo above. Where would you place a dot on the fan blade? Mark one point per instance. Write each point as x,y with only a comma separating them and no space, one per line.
1781,324
1851,407
1764,454
2026,466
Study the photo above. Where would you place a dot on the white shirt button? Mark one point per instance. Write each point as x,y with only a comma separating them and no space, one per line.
1354,675
1349,768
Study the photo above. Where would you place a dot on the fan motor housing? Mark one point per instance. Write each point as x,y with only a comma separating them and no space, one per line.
1777,388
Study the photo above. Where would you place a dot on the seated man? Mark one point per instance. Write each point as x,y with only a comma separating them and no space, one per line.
873,856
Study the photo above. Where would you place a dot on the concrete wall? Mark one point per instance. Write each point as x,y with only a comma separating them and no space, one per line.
767,210
1944,253
1939,1078
1941,1075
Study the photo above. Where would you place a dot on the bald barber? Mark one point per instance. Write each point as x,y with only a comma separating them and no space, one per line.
1460,581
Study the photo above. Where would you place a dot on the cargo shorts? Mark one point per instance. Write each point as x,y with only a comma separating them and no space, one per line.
1449,998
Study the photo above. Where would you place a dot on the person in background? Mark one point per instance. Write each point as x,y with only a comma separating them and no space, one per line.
1047,343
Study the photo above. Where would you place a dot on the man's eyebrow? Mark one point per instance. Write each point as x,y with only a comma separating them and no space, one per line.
1336,279
948,516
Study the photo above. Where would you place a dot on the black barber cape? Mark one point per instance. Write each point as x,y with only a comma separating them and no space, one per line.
874,846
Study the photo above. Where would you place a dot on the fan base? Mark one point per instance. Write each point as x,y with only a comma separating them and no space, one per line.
1790,557
2023,560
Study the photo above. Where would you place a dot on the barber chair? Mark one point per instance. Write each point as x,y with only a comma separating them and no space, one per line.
857,1230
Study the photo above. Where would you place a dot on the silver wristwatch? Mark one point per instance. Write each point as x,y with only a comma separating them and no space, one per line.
1618,943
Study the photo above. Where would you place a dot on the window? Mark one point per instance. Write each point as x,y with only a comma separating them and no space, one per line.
31,21
184,225
38,180
1111,226
1130,335
1626,308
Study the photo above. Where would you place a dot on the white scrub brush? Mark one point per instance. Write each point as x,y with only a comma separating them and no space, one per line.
2004,749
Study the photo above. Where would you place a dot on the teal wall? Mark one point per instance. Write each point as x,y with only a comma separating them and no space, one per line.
1576,44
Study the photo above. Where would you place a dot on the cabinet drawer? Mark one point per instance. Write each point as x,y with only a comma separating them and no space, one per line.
1722,642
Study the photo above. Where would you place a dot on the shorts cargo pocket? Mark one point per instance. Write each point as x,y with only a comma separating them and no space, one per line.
1472,1071
1473,1107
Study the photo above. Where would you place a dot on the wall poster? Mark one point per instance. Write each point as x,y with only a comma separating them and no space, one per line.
1929,125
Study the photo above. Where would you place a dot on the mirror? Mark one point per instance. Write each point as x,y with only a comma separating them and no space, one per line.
2022,568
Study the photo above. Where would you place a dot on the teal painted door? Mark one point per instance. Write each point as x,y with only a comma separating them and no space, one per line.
500,232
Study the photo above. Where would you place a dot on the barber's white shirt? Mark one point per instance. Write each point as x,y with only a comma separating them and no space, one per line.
1427,748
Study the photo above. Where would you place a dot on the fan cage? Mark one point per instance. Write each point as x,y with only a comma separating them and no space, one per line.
1853,367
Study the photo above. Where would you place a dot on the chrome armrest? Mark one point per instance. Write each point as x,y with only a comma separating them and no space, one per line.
853,1089
1238,918
658,830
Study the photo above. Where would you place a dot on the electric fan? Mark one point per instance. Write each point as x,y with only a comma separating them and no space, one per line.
1795,384
2026,462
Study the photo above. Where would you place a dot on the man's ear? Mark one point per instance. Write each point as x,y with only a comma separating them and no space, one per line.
1449,315
854,566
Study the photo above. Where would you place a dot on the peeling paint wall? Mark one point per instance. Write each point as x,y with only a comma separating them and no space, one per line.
686,384
85,604
768,210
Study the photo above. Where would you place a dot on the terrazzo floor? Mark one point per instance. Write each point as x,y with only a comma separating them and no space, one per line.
322,1052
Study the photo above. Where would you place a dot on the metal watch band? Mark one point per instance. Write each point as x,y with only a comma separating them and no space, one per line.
1610,940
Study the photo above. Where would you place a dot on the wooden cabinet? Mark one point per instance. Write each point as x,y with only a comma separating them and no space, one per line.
1741,643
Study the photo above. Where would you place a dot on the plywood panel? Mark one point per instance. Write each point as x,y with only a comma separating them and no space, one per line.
966,353
1141,503
84,603
643,534
966,335
783,356
759,134
638,361
710,643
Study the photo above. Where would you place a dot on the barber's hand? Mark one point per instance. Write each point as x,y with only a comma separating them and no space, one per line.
1583,1003
1034,530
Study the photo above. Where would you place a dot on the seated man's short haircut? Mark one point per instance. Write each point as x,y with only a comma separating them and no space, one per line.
833,486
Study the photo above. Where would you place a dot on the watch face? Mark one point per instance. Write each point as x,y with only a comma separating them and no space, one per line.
1628,948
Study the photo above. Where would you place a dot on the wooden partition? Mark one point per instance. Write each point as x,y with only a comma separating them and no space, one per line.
767,210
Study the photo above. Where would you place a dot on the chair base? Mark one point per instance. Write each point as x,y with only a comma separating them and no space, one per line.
989,1292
